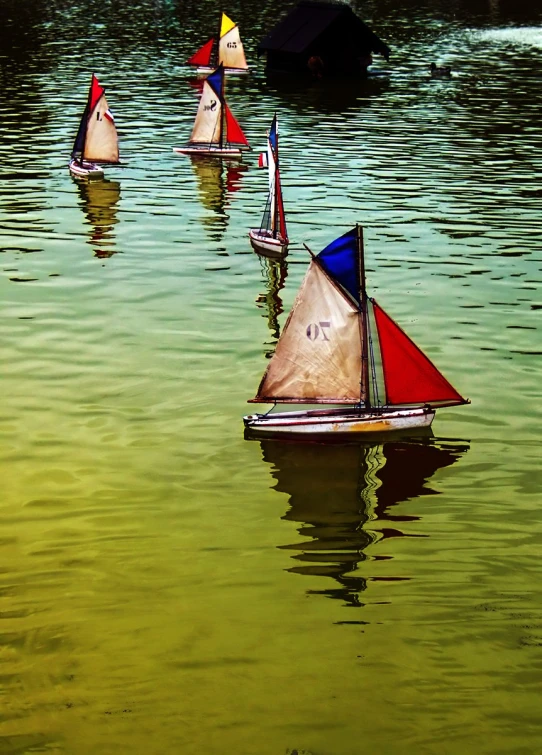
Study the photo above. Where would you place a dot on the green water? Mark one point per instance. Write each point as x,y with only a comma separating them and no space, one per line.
167,586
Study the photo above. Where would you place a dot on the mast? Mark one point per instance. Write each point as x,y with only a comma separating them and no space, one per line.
223,124
275,197
364,325
84,123
215,53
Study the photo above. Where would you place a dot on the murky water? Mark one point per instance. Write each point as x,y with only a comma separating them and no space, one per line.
167,586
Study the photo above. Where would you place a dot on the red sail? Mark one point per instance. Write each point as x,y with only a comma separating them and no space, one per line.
280,207
410,377
203,56
234,135
96,91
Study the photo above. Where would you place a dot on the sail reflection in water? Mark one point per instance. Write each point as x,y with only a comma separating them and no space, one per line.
99,201
274,272
342,495
216,182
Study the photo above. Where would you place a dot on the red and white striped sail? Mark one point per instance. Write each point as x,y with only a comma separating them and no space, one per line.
274,219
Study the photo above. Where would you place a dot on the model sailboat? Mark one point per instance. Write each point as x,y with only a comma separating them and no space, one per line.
97,141
228,51
339,347
271,237
215,132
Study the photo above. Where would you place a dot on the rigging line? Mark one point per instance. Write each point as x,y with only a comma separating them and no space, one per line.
374,382
371,358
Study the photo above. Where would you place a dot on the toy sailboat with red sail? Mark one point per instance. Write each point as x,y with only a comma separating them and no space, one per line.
97,141
227,50
215,132
339,347
271,238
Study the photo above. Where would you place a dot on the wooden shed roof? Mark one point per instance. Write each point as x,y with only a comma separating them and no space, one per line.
308,20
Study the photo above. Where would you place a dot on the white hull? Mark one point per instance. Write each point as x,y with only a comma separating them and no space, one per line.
209,150
338,421
85,169
206,70
263,242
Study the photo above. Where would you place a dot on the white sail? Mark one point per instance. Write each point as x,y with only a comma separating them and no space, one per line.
230,48
318,356
101,143
207,125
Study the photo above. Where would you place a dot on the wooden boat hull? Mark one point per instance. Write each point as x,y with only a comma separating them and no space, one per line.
265,243
337,422
85,169
206,70
213,151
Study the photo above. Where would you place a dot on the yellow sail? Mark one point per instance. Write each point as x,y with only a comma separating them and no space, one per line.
226,25
318,356
101,143
207,125
230,48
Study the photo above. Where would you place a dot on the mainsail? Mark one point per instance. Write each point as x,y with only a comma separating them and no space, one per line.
208,124
230,48
318,356
327,352
97,138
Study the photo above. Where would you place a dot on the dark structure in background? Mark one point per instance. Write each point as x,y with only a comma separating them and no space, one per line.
321,39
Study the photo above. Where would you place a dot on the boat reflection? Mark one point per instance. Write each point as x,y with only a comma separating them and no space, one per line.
342,496
99,200
274,273
325,95
216,180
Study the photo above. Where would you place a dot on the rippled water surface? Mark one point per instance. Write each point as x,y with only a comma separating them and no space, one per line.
167,586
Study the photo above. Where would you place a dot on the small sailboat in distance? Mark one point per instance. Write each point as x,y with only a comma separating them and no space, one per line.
227,50
339,347
271,238
97,140
215,132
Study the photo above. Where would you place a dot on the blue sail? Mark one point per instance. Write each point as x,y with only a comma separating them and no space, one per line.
216,80
341,262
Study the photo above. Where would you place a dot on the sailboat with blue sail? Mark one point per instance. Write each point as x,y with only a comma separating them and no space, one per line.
97,141
340,348
216,131
271,238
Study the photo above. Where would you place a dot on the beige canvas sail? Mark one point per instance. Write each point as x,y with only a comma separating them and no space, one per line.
230,48
208,118
101,143
318,356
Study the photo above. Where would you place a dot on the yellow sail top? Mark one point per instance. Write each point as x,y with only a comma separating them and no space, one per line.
226,25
